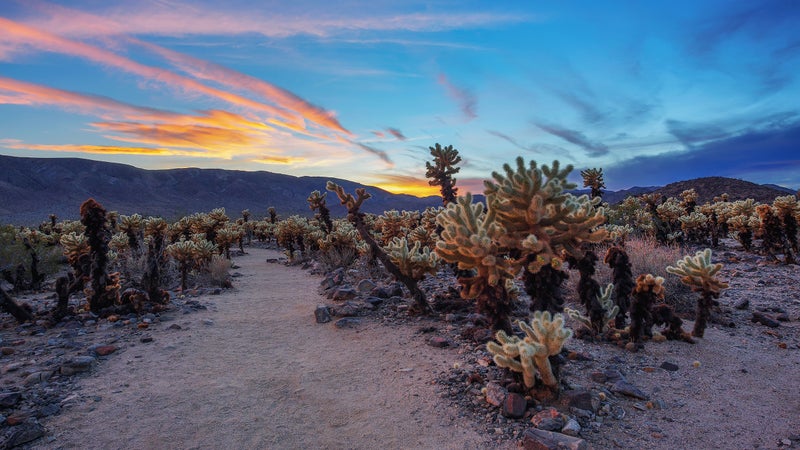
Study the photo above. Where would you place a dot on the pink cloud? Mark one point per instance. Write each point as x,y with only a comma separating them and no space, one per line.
465,99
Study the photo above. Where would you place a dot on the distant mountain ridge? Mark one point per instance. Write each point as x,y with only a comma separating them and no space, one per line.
33,188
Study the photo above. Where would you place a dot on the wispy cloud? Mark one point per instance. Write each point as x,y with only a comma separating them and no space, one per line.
465,99
396,133
510,140
575,137
209,71
177,18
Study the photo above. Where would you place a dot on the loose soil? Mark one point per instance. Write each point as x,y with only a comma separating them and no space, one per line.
255,370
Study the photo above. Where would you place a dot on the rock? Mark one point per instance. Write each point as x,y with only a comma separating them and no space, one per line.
374,301
625,388
495,394
439,342
514,406
322,314
365,286
348,322
9,399
105,350
613,375
146,339
742,304
349,309
580,398
783,317
668,366
598,377
535,439
174,326
77,364
37,377
344,293
380,292
49,410
765,319
26,432
12,367
548,419
7,351
571,428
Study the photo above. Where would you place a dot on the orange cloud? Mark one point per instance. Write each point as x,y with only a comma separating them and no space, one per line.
27,36
278,160
205,70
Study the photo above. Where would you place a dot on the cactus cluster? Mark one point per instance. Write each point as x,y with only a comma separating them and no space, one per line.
530,356
699,273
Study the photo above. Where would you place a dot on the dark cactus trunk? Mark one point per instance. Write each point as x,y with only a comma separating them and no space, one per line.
544,288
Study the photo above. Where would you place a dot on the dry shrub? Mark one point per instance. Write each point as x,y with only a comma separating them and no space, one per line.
219,270
336,257
649,256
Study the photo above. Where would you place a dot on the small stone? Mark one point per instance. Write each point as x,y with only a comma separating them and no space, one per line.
49,410
146,339
668,366
613,375
105,350
374,301
514,406
548,419
495,394
742,304
625,388
208,322
598,377
365,286
12,367
581,399
571,428
37,377
322,314
537,439
9,399
174,326
786,442
7,351
764,319
27,432
347,322
344,293
439,342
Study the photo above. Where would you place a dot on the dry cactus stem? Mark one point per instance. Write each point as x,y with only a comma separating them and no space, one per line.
699,273
132,227
156,230
356,217
104,288
442,170
788,210
593,178
617,259
648,291
773,237
530,356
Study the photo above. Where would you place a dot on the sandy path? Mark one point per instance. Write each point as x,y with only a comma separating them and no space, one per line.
265,375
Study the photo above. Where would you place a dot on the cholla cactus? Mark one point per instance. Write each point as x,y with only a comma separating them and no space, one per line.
75,246
689,200
609,312
290,233
227,236
542,223
618,233
442,170
695,226
132,227
393,224
356,217
471,239
648,290
316,201
544,337
423,236
788,210
699,273
742,227
617,259
593,178
119,243
104,288
414,262
184,252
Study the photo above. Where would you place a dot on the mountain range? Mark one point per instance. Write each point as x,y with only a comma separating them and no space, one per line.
33,188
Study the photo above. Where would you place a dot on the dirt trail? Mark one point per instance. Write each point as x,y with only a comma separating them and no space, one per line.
265,375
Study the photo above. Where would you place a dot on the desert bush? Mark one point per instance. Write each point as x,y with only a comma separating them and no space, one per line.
13,252
648,256
219,271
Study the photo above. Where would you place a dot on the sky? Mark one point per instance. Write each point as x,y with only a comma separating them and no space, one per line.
652,92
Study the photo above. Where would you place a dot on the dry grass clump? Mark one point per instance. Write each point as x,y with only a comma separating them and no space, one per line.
649,256
219,270
336,257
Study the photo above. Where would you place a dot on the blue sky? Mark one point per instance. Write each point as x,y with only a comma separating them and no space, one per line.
652,92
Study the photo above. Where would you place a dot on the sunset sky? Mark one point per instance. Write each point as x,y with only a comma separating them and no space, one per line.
652,92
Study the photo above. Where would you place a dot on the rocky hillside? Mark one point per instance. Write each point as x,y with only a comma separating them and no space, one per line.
709,187
33,188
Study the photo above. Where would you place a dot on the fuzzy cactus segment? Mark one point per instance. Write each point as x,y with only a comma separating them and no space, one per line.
699,273
414,261
544,337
